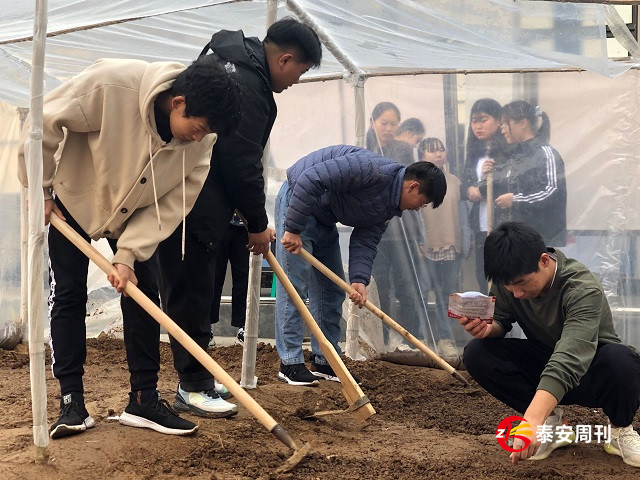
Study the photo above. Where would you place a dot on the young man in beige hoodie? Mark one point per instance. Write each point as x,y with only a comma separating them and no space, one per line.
137,140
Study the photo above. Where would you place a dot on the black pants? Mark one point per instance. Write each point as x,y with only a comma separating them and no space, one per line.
187,285
480,238
510,368
187,290
443,276
392,271
68,269
233,250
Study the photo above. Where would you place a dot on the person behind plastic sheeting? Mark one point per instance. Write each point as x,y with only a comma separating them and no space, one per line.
380,138
571,354
537,187
355,187
398,255
412,132
484,142
442,246
135,153
235,181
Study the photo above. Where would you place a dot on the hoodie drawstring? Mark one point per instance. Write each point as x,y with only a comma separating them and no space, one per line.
184,195
153,181
184,204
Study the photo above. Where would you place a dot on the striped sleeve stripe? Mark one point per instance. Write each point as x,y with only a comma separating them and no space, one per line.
552,181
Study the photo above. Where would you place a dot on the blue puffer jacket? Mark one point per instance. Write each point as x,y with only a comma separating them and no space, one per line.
350,185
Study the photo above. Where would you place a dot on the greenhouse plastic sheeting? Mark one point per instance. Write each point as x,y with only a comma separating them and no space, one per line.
378,36
596,142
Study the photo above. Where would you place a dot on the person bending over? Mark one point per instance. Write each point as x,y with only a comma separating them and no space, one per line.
358,188
135,154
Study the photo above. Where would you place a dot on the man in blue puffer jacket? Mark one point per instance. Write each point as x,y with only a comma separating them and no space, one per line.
355,187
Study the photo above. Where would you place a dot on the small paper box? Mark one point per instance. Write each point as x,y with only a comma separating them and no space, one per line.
471,305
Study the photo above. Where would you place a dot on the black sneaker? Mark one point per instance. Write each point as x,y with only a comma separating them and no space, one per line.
326,373
156,415
74,418
297,374
240,336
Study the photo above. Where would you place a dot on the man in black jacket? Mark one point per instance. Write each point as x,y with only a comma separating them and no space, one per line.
235,181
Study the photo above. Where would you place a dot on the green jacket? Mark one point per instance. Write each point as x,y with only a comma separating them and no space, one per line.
572,318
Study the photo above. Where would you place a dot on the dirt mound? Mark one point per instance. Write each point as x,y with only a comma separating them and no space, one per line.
427,426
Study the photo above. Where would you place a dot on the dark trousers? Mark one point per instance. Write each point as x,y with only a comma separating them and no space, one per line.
510,369
187,290
233,250
443,275
480,238
187,286
393,273
68,269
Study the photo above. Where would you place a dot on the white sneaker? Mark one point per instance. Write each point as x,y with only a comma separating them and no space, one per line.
625,442
222,390
204,404
447,349
240,336
561,436
212,342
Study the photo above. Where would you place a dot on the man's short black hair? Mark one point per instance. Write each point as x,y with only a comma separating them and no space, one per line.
431,180
412,125
289,33
511,251
211,92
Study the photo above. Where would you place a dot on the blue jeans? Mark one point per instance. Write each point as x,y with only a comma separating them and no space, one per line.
325,297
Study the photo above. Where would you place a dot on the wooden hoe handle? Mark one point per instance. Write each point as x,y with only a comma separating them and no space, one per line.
383,316
350,388
176,332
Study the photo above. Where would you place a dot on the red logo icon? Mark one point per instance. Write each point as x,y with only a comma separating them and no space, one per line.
507,429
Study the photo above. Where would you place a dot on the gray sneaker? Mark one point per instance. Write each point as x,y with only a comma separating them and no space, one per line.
204,404
561,436
212,343
625,442
222,390
447,349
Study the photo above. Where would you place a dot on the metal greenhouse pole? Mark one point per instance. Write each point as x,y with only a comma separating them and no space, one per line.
36,236
248,378
355,76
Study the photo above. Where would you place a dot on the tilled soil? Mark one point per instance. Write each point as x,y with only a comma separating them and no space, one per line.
427,426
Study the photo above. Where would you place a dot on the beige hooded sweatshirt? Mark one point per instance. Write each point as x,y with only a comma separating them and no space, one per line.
115,175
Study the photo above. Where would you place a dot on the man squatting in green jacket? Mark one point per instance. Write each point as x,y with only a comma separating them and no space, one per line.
572,354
